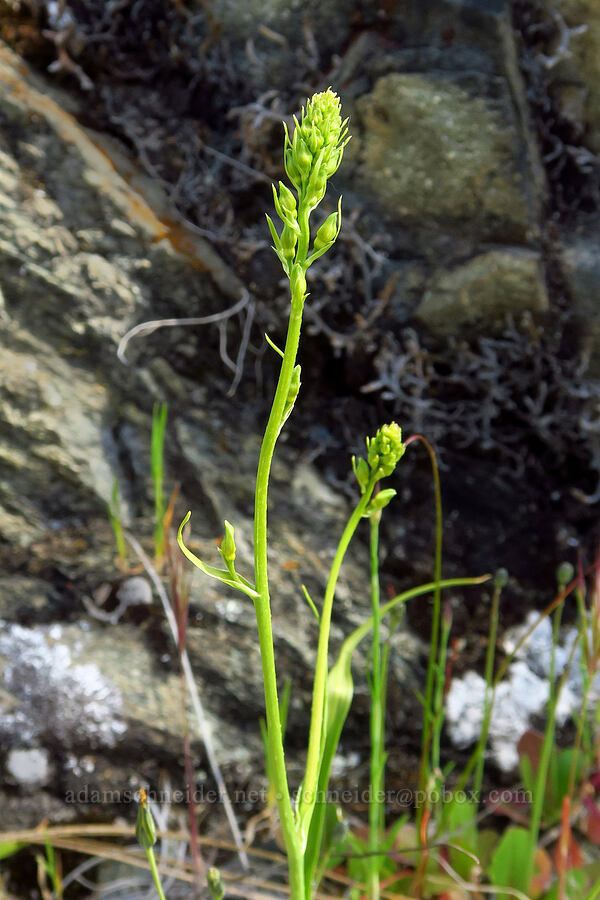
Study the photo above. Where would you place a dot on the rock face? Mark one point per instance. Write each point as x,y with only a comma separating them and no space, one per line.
481,292
577,59
581,267
449,286
433,155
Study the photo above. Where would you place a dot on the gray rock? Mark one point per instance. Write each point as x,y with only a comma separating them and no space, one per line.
83,256
275,38
576,64
98,688
22,596
433,156
55,459
481,293
580,259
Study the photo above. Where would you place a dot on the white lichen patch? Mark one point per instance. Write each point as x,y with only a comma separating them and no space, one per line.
28,767
53,691
522,694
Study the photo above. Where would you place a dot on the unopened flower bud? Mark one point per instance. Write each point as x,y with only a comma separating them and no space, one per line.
303,159
361,472
145,829
327,233
227,547
287,201
292,394
294,384
214,883
501,578
298,281
288,239
380,501
564,574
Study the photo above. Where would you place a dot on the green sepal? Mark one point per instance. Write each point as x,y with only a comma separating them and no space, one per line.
277,246
223,575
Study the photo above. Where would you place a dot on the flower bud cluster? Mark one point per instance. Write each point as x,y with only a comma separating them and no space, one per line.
311,156
385,450
314,152
383,454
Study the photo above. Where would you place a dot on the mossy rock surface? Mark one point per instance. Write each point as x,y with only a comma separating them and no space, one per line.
434,156
580,68
483,292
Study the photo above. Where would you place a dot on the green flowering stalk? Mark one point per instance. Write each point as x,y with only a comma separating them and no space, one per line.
312,154
384,451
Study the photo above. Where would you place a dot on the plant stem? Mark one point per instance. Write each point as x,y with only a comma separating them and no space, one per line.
546,751
377,721
262,604
155,875
439,693
308,793
428,711
489,689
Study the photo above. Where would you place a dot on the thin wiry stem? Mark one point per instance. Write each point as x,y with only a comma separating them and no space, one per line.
148,327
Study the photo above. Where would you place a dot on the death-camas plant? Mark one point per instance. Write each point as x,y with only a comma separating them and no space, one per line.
312,154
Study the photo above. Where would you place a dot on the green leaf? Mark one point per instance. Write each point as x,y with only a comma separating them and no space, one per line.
9,848
511,862
460,823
